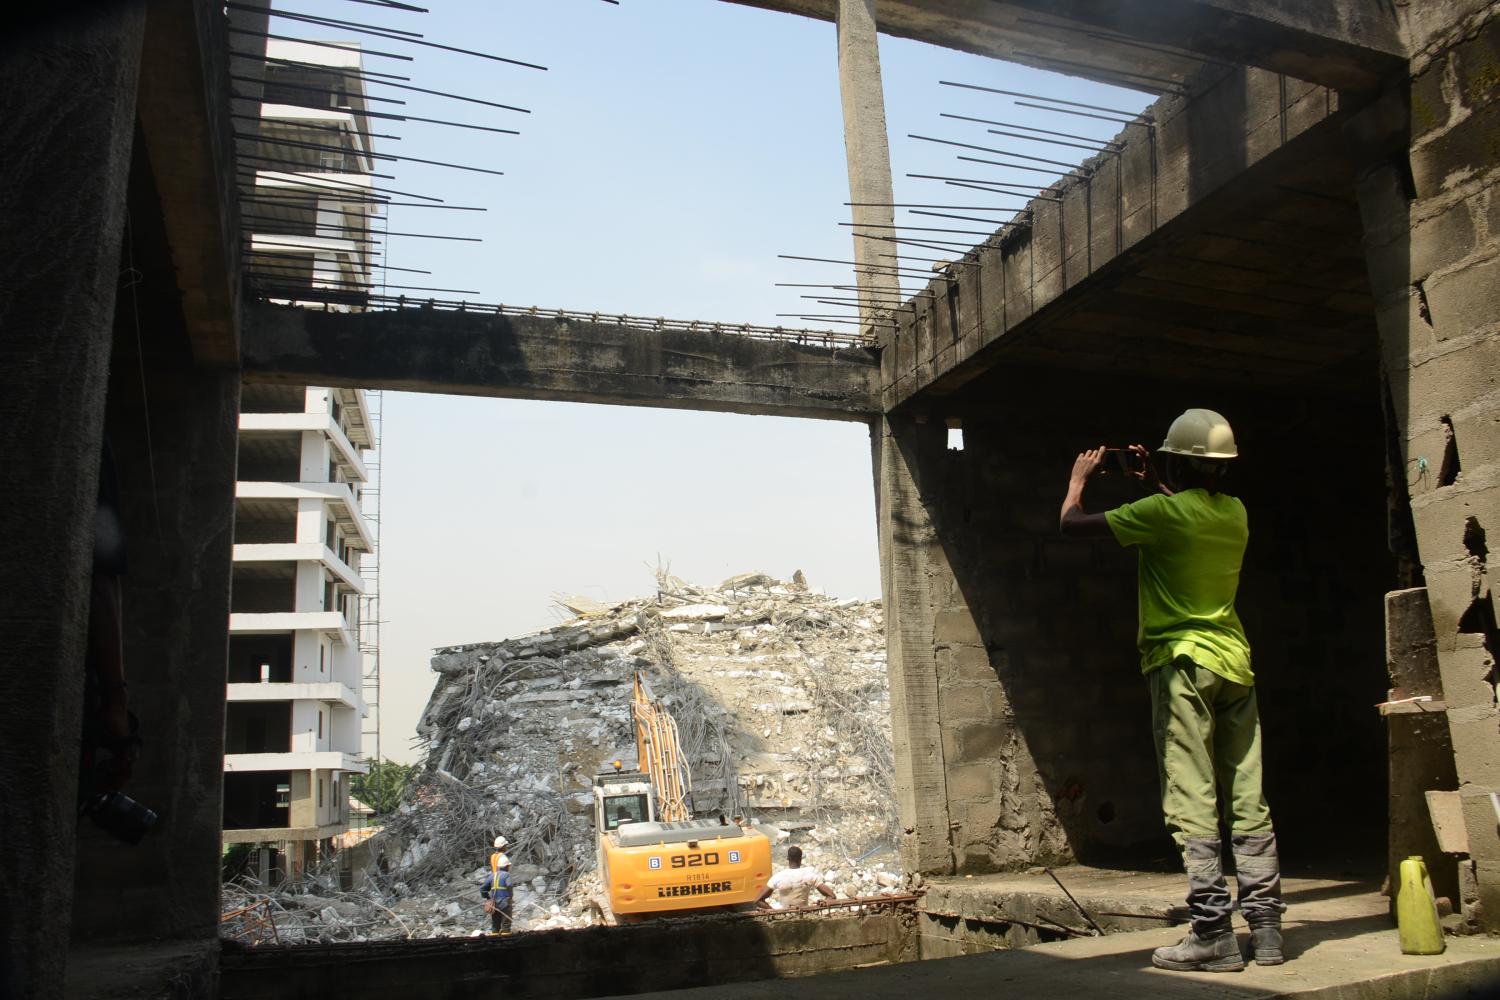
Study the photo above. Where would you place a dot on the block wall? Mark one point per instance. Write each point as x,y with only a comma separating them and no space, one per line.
1041,716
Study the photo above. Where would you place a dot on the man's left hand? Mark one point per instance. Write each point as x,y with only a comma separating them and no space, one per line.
1087,463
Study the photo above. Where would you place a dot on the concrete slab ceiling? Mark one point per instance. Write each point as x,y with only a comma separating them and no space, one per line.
1151,44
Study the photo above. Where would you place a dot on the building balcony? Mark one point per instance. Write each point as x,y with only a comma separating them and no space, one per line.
338,496
307,760
299,422
294,552
279,622
329,691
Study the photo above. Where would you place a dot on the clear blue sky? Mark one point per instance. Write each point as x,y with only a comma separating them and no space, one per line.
673,149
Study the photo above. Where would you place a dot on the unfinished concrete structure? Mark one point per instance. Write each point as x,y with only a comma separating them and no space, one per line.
297,670
1309,237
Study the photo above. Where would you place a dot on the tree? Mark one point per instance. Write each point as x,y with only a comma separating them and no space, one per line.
381,789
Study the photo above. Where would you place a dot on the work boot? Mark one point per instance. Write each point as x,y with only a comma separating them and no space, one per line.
1258,871
1208,894
1265,943
1215,951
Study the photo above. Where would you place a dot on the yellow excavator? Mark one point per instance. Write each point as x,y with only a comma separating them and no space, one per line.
654,857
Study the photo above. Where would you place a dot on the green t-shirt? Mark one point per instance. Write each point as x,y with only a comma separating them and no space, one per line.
1190,548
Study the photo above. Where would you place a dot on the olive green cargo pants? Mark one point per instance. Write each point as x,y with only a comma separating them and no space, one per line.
1207,731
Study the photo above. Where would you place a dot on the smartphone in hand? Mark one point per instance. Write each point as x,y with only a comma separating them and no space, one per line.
1122,461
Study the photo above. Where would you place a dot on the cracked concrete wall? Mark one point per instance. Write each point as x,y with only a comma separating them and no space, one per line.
1431,208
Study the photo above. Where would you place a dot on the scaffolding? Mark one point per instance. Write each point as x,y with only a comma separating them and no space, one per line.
369,618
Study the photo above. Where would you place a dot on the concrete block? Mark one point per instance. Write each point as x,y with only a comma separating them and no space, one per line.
955,626
1471,147
1476,746
1410,645
971,782
982,740
967,702
1465,300
1452,381
972,663
1484,853
1466,678
1442,240
1430,106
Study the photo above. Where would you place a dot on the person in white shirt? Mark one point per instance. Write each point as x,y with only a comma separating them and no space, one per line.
793,885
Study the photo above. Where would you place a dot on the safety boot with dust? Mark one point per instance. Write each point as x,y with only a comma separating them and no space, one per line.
1217,952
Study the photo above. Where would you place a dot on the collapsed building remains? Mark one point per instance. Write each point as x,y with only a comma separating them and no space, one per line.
782,700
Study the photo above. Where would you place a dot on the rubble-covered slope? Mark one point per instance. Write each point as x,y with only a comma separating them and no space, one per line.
781,699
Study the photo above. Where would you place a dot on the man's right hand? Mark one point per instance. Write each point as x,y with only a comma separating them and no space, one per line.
1086,464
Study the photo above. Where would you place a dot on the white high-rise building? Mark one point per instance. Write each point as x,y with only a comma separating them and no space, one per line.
298,668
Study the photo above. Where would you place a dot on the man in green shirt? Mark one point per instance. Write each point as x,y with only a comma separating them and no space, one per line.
1190,538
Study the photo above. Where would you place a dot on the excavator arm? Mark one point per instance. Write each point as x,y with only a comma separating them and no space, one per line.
660,753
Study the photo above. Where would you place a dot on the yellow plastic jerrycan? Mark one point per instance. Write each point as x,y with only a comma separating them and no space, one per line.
1416,911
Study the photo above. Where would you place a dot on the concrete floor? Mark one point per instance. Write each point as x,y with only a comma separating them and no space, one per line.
1340,942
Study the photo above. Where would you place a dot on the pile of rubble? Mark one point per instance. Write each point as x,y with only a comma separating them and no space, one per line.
782,704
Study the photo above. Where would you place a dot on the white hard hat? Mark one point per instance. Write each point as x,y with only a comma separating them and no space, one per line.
503,861
1200,434
500,843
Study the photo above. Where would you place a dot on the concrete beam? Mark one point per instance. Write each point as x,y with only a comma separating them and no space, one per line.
1231,141
547,357
1349,45
189,137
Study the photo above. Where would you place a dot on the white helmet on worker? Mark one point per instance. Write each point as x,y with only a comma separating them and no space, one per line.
503,861
500,843
1200,434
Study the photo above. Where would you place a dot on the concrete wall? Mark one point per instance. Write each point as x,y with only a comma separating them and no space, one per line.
1431,205
172,430
1032,744
557,965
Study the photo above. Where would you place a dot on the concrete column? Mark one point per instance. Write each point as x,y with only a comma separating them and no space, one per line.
867,150
907,543
1432,237
177,490
68,129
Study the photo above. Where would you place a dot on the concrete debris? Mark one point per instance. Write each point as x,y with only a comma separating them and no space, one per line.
782,703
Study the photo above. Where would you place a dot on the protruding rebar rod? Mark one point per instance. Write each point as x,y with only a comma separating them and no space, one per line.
321,45
1086,114
854,263
387,116
966,218
1034,97
1029,128
965,208
1167,82
368,153
918,229
1012,166
394,35
990,149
